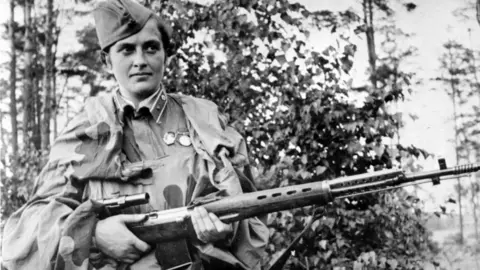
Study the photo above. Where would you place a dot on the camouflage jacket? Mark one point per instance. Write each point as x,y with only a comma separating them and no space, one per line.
53,230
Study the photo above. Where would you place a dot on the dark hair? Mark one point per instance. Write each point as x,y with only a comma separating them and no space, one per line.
166,33
103,55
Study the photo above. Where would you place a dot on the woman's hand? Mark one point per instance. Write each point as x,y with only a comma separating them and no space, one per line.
208,226
115,240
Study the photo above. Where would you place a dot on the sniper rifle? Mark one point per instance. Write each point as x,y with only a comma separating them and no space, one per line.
174,224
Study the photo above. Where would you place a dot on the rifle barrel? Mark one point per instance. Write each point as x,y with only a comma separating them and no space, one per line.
172,224
457,170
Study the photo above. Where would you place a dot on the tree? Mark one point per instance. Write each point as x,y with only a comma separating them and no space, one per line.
13,81
25,162
459,64
48,77
28,114
370,34
453,80
293,105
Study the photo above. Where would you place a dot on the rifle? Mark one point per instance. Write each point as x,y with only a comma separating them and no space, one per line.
112,206
174,224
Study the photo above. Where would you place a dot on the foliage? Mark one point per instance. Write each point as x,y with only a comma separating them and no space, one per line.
383,233
294,105
460,80
19,170
458,64
17,181
292,101
85,62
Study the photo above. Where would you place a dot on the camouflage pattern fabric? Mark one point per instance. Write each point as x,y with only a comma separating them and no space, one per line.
53,230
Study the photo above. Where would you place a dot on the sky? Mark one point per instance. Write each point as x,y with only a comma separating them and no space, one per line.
432,24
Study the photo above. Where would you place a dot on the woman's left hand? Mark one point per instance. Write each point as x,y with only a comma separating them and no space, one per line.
208,227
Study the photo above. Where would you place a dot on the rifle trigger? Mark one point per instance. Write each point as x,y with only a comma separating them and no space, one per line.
436,180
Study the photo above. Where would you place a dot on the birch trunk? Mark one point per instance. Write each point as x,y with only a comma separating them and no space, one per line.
370,34
47,79
28,114
13,82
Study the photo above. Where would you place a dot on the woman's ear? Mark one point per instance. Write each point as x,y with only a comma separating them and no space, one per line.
105,57
108,62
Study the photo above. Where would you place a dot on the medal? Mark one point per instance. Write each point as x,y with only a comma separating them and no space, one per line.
169,138
182,137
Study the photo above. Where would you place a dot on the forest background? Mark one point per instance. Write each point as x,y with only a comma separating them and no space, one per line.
326,88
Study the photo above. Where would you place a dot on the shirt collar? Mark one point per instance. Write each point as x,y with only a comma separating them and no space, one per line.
155,104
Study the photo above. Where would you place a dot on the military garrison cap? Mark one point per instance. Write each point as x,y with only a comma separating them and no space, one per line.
119,19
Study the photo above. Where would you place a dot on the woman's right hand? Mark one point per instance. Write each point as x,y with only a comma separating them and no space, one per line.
115,240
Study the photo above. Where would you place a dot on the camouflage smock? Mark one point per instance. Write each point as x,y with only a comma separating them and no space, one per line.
53,230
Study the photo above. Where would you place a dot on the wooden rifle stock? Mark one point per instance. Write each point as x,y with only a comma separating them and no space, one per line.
175,223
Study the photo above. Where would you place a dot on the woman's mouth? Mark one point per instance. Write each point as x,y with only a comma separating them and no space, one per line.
141,74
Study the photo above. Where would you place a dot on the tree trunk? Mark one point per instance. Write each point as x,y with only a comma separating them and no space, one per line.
454,101
37,136
473,187
475,88
370,34
3,151
47,79
13,82
37,73
54,86
54,104
459,185
468,146
28,113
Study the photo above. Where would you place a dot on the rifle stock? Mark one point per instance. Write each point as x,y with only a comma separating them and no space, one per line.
175,223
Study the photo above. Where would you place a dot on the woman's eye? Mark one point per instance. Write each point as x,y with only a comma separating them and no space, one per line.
152,49
127,49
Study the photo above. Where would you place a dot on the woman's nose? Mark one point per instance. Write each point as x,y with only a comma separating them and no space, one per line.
139,59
